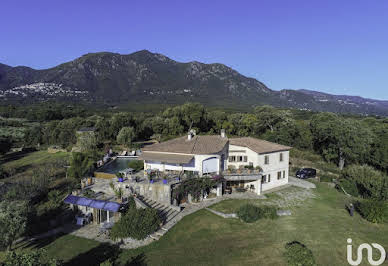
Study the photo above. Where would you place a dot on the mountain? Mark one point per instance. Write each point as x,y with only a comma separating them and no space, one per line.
145,77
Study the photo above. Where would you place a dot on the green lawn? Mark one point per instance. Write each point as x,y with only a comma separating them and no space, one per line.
36,158
203,238
21,165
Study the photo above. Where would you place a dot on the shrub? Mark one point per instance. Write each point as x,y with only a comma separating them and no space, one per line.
373,210
136,223
131,203
350,187
326,178
136,165
369,183
250,213
298,254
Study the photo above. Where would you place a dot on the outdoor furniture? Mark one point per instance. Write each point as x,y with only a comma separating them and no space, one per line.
228,190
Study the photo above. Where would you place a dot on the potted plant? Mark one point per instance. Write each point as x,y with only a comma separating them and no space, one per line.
120,177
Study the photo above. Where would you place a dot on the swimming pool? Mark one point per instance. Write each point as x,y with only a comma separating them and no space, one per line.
116,165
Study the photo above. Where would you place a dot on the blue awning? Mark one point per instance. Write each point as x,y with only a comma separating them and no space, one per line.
92,203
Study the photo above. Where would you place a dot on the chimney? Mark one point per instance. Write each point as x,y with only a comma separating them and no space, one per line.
223,135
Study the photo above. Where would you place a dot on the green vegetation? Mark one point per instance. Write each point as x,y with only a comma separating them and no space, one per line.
19,163
126,136
33,258
194,187
136,223
298,254
13,221
374,211
250,213
80,165
136,165
202,238
364,181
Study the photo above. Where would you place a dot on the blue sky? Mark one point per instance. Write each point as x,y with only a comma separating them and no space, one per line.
338,47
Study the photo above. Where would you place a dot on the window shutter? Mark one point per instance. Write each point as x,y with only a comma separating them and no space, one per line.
245,158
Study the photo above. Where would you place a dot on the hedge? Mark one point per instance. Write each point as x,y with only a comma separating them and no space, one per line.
374,211
136,223
250,213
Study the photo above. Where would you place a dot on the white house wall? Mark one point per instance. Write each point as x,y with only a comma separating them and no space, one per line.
274,166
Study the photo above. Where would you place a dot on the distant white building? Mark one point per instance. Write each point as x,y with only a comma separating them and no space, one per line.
244,162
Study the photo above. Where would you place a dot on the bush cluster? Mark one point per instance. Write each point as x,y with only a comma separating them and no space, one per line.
250,213
136,223
364,181
374,211
298,254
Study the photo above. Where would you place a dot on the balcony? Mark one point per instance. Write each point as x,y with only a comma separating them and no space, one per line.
242,174
242,171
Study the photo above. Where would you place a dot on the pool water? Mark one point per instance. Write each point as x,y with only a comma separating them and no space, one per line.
116,165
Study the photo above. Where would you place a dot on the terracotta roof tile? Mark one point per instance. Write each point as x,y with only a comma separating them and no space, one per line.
206,144
258,145
166,157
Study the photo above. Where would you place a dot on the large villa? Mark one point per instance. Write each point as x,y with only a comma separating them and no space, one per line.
241,164
244,162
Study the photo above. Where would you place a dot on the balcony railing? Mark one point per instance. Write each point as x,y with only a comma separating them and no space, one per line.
244,171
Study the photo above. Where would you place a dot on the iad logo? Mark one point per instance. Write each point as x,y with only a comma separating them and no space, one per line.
369,251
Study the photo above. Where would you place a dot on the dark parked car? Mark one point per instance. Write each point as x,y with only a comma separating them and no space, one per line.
306,173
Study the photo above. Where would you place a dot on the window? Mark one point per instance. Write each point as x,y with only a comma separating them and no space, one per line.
279,175
266,159
240,158
269,178
232,158
284,174
245,158
264,179
281,157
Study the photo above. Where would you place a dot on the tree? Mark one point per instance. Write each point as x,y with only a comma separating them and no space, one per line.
136,223
31,258
193,114
13,221
270,118
87,141
368,182
340,140
80,165
379,153
33,136
126,136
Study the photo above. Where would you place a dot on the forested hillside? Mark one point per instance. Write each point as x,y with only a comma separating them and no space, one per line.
343,140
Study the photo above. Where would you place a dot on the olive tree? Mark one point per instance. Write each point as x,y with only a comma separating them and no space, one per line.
13,221
126,136
340,140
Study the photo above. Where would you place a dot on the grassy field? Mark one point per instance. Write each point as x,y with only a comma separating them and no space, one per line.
20,164
321,222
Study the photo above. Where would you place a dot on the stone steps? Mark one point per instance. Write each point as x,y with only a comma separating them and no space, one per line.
166,213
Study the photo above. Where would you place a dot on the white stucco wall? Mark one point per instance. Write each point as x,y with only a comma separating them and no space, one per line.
274,166
196,166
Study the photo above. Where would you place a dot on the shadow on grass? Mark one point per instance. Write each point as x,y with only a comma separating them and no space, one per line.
103,253
41,243
97,255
